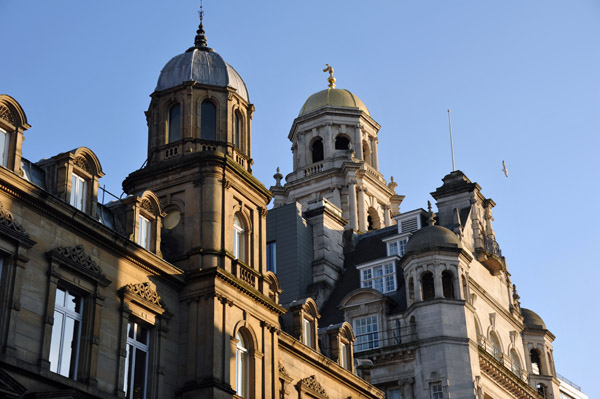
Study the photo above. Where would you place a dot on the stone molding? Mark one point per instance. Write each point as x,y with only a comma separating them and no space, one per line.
313,386
145,292
78,259
7,219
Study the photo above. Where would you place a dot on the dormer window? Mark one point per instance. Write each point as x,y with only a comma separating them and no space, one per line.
144,232
397,247
78,192
306,317
381,277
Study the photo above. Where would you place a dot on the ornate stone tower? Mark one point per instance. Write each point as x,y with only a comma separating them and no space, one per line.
199,166
334,144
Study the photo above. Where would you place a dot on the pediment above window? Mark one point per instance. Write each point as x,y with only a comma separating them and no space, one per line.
313,387
143,301
79,260
10,227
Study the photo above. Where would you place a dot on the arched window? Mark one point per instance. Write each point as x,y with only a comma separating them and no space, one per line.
536,363
317,150
366,153
242,367
495,343
237,131
174,123
411,291
208,121
515,364
427,286
239,247
448,284
373,221
342,143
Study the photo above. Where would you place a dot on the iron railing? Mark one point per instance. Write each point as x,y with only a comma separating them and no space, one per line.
386,338
492,246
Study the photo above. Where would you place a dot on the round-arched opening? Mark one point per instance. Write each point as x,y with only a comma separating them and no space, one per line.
448,284
208,120
317,150
239,247
411,291
427,286
366,153
536,362
174,123
373,220
515,364
242,367
495,343
342,143
237,131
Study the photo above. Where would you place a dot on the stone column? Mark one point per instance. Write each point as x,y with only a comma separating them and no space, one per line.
387,221
352,203
437,282
337,199
362,217
327,142
407,385
358,142
374,153
417,286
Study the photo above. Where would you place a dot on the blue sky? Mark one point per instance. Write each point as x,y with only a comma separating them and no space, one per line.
521,77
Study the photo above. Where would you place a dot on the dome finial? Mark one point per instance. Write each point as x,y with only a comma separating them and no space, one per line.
200,42
330,79
431,221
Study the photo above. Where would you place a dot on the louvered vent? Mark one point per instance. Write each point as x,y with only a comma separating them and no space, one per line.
409,225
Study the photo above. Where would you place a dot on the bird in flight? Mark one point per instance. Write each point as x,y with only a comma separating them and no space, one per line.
504,169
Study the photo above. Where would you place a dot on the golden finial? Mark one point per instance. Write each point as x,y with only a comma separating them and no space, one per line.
330,79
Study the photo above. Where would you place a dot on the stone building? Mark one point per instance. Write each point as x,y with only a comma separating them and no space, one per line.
429,296
164,293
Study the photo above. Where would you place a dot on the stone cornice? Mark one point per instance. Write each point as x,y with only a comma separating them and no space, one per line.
325,366
10,227
504,377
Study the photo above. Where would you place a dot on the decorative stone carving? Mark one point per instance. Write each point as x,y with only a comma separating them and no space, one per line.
7,115
312,384
7,219
147,205
144,291
78,255
82,163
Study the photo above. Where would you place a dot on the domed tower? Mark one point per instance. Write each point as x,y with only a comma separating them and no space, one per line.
334,144
199,162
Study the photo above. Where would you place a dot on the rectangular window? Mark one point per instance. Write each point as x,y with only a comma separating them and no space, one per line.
78,190
144,232
394,393
397,247
436,391
306,333
380,277
136,362
4,143
271,257
66,333
367,333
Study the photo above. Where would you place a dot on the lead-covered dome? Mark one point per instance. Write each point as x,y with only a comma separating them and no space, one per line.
433,237
532,319
203,66
334,98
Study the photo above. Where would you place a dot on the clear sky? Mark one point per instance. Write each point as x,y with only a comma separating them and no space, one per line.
522,79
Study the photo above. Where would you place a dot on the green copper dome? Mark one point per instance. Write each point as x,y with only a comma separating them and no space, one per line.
333,98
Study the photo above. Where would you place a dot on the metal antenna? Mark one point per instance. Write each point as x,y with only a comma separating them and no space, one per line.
201,12
451,141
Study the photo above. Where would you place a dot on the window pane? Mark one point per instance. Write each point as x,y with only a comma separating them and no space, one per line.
139,376
56,341
60,297
69,348
4,147
174,123
128,367
141,334
271,257
208,121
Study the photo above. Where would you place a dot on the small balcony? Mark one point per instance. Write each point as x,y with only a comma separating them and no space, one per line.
490,255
